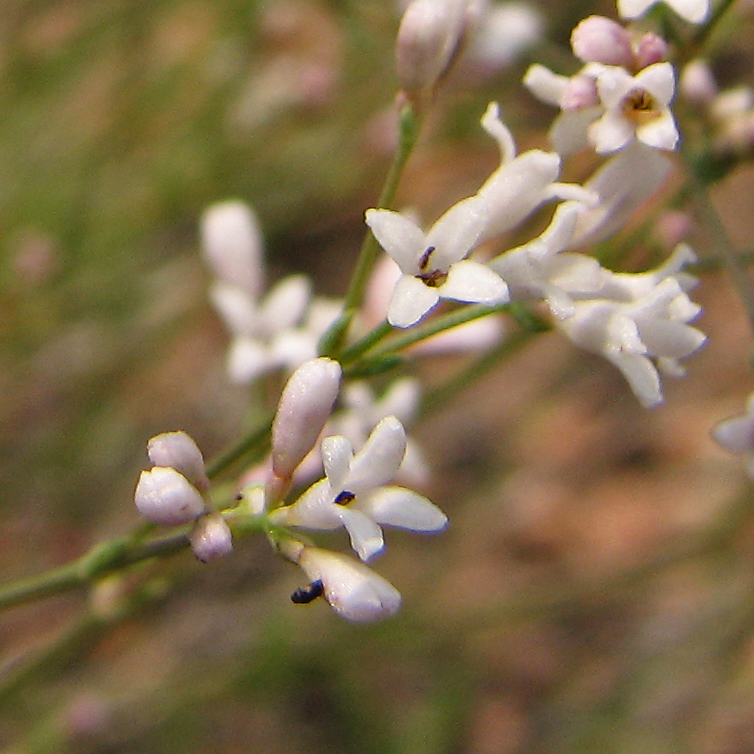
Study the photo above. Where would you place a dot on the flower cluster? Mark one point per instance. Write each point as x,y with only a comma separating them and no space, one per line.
270,331
175,491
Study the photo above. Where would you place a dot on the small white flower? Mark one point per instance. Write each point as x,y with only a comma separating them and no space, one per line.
541,268
165,496
621,185
354,591
693,11
520,184
634,335
434,264
354,493
635,107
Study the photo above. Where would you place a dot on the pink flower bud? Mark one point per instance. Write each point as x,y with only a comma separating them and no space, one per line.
179,451
580,92
165,496
650,49
698,82
599,40
304,407
232,245
211,538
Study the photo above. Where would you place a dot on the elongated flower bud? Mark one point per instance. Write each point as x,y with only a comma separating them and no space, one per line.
165,496
179,451
232,245
429,38
305,405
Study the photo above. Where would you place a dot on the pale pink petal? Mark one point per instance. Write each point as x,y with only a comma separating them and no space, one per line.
402,508
455,233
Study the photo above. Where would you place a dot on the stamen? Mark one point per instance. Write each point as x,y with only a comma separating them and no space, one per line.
424,261
344,498
306,594
640,105
434,278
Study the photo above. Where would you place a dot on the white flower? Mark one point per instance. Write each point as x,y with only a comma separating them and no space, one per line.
165,496
433,263
737,435
354,591
304,407
633,335
693,11
621,185
542,269
520,184
506,31
354,493
635,107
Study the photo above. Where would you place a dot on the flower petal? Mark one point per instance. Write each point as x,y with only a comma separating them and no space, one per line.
399,236
456,232
474,283
411,300
366,535
402,508
378,461
337,454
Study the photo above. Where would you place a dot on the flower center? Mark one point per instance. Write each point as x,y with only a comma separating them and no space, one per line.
432,278
640,106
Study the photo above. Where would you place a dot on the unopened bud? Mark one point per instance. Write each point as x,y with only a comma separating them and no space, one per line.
211,538
651,49
179,451
429,39
232,244
305,405
698,83
599,40
166,497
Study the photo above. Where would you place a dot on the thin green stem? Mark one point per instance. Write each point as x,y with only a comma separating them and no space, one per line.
369,341
408,135
730,256
252,444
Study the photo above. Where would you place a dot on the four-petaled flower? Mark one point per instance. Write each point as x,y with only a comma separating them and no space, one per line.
635,107
355,494
434,264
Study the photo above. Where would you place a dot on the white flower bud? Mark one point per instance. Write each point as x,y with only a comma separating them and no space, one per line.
232,245
354,591
304,407
698,83
165,496
179,451
429,38
211,538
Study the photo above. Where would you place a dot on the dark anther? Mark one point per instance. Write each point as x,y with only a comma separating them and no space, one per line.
424,261
433,279
345,497
306,594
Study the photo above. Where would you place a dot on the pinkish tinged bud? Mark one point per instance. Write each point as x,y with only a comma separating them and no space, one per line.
599,40
650,49
429,38
165,496
304,407
580,92
232,245
179,451
211,538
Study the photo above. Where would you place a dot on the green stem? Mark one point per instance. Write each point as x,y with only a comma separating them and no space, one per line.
409,127
369,341
730,256
255,442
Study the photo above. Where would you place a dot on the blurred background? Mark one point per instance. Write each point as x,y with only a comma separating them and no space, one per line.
594,590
